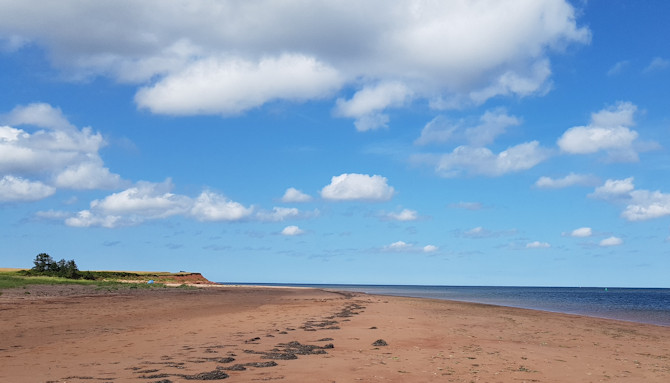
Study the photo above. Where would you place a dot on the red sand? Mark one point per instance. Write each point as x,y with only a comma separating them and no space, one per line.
79,334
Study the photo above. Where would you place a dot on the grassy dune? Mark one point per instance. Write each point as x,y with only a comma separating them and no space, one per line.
13,278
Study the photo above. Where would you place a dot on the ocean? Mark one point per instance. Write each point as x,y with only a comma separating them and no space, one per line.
643,305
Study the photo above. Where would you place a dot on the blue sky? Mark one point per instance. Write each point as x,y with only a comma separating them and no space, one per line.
453,143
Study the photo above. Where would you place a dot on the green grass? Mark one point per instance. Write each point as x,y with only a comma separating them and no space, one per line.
14,279
10,280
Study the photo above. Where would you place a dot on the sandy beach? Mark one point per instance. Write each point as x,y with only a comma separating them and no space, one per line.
247,334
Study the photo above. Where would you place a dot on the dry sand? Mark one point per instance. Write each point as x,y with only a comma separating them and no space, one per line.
243,334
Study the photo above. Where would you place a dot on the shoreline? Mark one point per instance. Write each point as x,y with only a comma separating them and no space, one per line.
79,334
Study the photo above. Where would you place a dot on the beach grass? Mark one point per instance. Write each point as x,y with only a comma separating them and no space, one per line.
14,279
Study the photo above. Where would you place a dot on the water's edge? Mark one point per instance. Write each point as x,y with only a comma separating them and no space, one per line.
641,305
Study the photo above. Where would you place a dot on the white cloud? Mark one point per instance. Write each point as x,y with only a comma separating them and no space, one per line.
86,218
88,175
150,201
482,161
614,189
646,205
481,232
210,206
404,215
293,195
491,124
609,131
618,68
227,57
439,130
53,150
38,114
567,181
467,205
233,86
397,246
640,204
147,200
656,64
278,214
611,241
292,230
402,246
538,245
367,103
582,232
15,189
512,82
353,186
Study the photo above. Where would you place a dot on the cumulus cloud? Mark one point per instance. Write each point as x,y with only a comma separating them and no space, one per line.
233,86
367,103
614,189
582,232
15,189
88,175
640,204
609,131
398,246
430,249
293,195
538,245
292,231
404,215
53,150
210,206
646,205
353,186
228,57
150,201
611,241
482,161
571,179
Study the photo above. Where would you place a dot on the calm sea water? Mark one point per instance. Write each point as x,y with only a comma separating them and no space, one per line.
636,305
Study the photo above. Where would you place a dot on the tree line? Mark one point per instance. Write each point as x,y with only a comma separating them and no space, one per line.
45,265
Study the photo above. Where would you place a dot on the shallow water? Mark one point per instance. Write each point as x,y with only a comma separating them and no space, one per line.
636,305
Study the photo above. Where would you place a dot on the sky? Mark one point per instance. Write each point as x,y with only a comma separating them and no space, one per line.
512,143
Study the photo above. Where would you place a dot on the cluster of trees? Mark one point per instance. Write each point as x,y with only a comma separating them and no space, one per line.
45,265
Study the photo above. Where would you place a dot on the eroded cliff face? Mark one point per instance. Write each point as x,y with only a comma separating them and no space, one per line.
189,278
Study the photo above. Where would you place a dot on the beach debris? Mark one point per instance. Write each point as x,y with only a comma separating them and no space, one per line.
243,367
380,342
219,360
252,340
350,310
211,375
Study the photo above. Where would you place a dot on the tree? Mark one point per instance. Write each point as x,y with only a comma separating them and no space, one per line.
43,263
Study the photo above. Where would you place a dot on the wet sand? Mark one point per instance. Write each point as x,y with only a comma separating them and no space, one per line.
247,334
